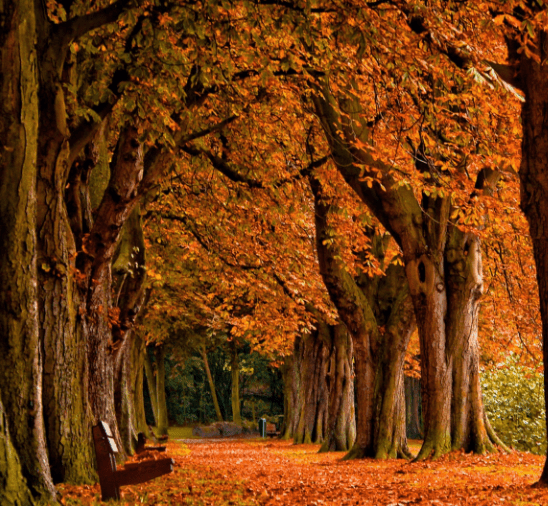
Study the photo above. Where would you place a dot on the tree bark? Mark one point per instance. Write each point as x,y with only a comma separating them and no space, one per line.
15,491
128,396
412,403
131,301
391,433
203,353
162,424
27,473
310,362
340,431
533,172
465,287
289,400
429,297
151,385
235,372
139,400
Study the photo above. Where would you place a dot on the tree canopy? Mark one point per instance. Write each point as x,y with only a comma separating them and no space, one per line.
268,172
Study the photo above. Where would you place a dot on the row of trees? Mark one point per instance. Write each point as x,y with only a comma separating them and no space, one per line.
182,112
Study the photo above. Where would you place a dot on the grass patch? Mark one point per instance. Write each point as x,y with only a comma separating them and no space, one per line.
180,433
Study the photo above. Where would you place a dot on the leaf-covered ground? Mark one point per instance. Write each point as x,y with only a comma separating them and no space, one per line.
272,472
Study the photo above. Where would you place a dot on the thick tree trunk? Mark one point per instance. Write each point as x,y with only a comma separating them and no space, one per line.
15,491
465,287
124,393
235,385
378,358
211,383
341,420
63,329
534,176
129,400
23,435
310,362
427,286
139,400
69,318
391,435
162,424
365,397
98,252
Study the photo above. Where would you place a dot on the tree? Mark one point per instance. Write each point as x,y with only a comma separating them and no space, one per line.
319,388
378,313
526,37
203,353
25,472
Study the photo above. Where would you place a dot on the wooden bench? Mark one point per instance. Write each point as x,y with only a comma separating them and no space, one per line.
141,445
271,430
110,478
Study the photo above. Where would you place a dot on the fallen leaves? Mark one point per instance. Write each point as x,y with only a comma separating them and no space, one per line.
250,472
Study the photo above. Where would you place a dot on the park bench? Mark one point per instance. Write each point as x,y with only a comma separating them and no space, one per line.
110,478
141,445
271,430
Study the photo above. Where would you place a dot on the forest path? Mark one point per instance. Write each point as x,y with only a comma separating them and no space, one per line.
272,472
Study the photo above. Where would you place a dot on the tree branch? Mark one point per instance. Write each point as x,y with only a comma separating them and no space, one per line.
238,177
86,130
76,27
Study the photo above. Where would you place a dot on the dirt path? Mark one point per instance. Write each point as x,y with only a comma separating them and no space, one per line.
247,472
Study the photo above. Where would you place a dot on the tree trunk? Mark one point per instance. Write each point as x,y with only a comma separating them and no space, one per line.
235,395
341,420
426,281
63,330
391,435
378,358
289,400
203,352
20,357
129,401
151,385
310,361
161,390
131,300
534,174
465,287
15,491
412,408
124,392
139,400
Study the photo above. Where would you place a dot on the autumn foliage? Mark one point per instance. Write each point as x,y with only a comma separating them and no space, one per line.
251,472
310,181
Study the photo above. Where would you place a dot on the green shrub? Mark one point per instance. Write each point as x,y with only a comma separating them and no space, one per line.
514,401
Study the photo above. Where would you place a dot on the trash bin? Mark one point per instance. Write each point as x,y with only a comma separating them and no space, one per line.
262,427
